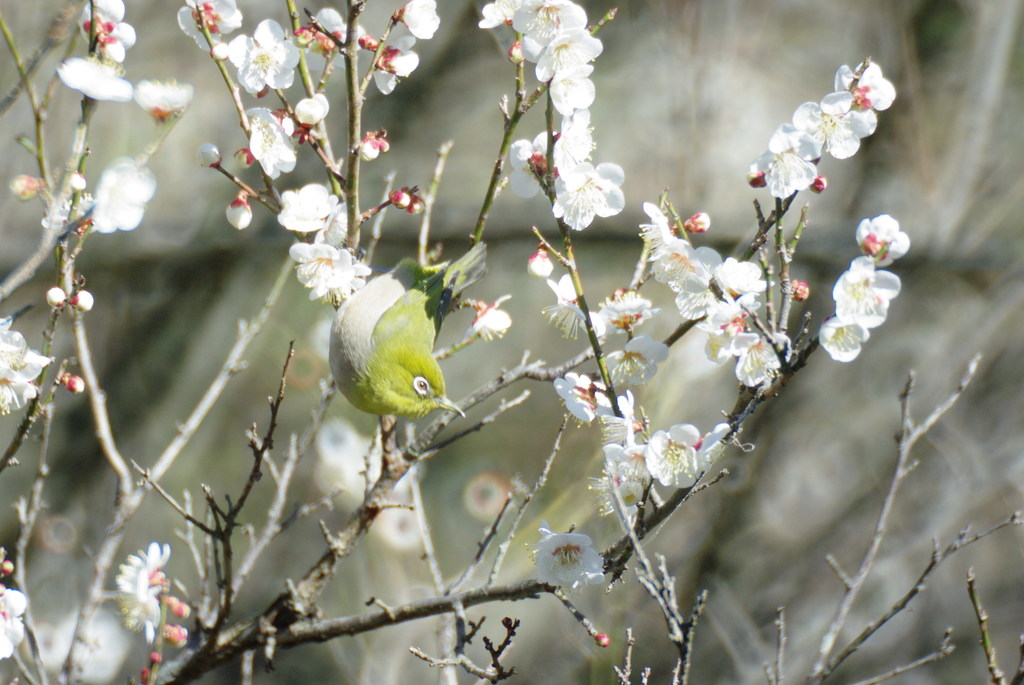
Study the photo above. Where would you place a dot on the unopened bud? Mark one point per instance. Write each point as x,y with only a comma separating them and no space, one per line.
144,675
55,296
515,52
26,187
219,51
801,291
400,198
539,264
416,206
755,179
368,42
602,639
698,223
819,184
77,182
82,301
311,111
239,213
155,658
175,635
6,567
177,607
244,157
373,145
208,155
73,384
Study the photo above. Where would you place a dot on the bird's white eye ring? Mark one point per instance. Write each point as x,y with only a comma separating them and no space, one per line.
421,385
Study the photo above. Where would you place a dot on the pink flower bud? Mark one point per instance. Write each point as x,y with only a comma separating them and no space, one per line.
7,567
244,157
602,639
55,296
539,264
400,198
819,184
239,213
155,658
801,291
144,675
73,384
755,179
177,607
515,52
416,206
368,42
26,187
175,635
698,223
82,301
373,145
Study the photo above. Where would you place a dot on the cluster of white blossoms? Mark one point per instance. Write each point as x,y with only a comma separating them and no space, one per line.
325,265
556,40
267,60
143,594
20,366
835,125
863,292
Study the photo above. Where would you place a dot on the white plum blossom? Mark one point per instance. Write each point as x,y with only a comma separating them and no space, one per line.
320,46
677,456
758,361
862,293
328,271
583,397
834,124
873,91
269,143
625,310
121,195
737,278
12,631
490,322
498,13
567,560
658,233
842,339
881,239
568,50
113,36
726,326
140,583
621,429
163,99
525,156
677,262
420,17
586,191
311,111
787,165
395,60
541,20
638,362
220,16
307,209
625,473
267,60
566,314
572,89
19,368
575,141
94,79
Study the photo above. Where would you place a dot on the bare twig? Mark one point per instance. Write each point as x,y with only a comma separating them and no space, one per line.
945,649
995,673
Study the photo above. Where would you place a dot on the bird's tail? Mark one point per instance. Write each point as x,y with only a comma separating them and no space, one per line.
460,274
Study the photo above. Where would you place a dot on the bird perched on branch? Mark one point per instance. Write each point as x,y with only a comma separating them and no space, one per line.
382,339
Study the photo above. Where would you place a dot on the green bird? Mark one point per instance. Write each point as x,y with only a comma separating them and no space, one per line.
382,339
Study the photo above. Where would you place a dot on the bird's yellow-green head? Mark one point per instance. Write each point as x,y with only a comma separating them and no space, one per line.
403,379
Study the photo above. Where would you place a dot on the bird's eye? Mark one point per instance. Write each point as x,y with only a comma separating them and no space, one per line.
421,385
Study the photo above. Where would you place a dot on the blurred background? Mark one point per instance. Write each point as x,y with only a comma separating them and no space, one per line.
689,92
